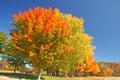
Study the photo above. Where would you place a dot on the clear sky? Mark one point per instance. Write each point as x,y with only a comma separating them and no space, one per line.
102,21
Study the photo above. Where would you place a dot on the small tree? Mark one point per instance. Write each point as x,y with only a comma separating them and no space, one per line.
108,72
15,61
3,45
90,66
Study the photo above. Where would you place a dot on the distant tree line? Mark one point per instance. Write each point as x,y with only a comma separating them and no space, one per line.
113,68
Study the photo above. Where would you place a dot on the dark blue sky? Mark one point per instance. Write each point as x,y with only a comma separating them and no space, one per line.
102,20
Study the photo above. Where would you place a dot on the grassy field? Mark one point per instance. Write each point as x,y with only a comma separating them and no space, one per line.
18,76
80,78
61,78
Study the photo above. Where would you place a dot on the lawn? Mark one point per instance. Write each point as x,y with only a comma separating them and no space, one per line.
80,78
34,77
18,75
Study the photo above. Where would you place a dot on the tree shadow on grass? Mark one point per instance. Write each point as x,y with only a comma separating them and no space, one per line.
20,76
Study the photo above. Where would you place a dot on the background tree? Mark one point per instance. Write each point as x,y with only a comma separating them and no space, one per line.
68,64
7,55
3,39
3,43
91,65
114,66
15,61
108,72
82,47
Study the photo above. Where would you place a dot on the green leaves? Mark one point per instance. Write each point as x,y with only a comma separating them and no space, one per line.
3,39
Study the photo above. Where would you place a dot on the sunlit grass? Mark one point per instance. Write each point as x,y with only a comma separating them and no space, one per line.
73,78
80,78
34,77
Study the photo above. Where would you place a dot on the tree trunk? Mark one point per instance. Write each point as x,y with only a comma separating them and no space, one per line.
15,69
57,72
3,65
39,75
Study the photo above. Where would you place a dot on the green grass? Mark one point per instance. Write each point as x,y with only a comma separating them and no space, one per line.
77,78
80,78
20,76
34,77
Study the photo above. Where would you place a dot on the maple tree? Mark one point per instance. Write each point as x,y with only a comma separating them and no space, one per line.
40,35
82,44
70,61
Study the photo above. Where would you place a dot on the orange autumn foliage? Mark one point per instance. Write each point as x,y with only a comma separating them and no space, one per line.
39,32
41,20
90,65
108,72
69,49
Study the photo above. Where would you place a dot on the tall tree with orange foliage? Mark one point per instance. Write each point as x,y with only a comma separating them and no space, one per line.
40,35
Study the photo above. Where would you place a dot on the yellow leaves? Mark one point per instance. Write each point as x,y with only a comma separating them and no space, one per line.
85,45
42,48
31,54
75,23
29,28
82,44
29,40
56,12
27,37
